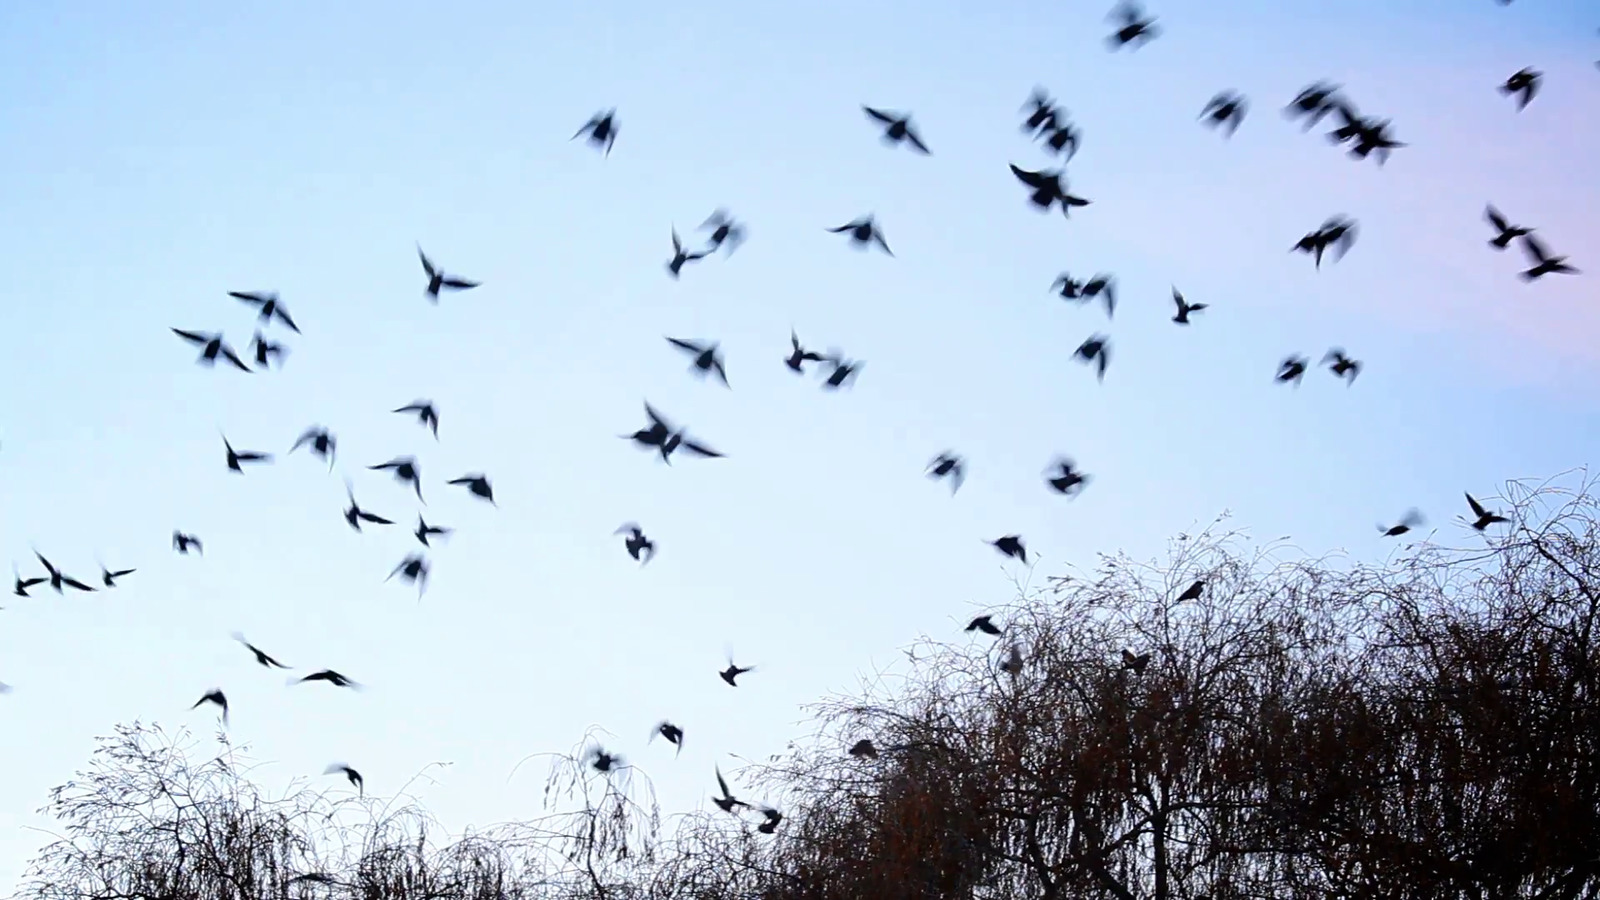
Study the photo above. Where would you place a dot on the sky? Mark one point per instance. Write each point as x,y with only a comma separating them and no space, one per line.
157,158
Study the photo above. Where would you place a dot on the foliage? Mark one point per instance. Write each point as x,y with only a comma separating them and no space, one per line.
1305,728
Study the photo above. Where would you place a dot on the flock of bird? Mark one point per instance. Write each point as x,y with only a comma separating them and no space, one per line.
1049,125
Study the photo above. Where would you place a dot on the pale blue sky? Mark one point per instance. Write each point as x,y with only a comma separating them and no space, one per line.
158,157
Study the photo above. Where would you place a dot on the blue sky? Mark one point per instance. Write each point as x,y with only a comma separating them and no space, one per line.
156,160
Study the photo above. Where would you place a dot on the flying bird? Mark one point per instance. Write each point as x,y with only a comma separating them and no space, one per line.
108,577
413,570
1482,518
725,232
863,749
351,774
602,761
705,357
681,256
438,280
1313,103
425,531
328,675
769,825
182,542
726,801
1228,109
269,307
320,440
1135,28
844,371
1135,662
948,465
215,695
59,578
1042,112
405,471
798,355
1063,138
1097,349
1524,83
1104,287
732,672
1505,232
476,484
236,457
22,584
984,624
897,128
641,548
1410,520
1184,307
211,346
1292,369
671,732
1337,232
601,128
355,515
427,414
1067,287
1049,187
1342,365
1068,479
661,435
262,658
1011,545
267,352
1544,263
863,231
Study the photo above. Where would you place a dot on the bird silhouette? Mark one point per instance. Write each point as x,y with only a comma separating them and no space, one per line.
602,761
732,672
262,658
726,801
211,346
1544,263
405,471
863,749
641,548
984,624
1337,232
1135,28
1011,545
1067,287
426,413
1505,232
671,732
1410,520
321,441
725,232
108,577
897,128
58,578
215,695
1184,307
182,542
1482,518
476,484
22,584
413,570
1313,103
1049,187
267,352
328,675
1193,591
771,820
1063,139
350,774
1228,109
1293,368
1068,479
355,515
863,231
1097,349
681,256
1102,286
798,355
438,280
1365,135
705,357
1342,365
1135,662
1525,84
236,457
949,466
666,439
425,531
266,302
1043,113
844,371
601,128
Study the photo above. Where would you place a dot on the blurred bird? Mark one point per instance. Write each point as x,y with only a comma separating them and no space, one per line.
1482,518
1410,520
405,471
705,357
109,577
352,775
672,733
1343,366
661,435
266,302
984,624
235,457
725,232
681,256
1228,109
1097,349
425,531
267,352
1524,83
426,413
1544,263
863,231
216,696
1011,545
438,280
601,128
261,656
414,570
322,443
641,548
182,542
211,346
733,671
898,128
476,484
1135,27
355,515
1505,232
1067,480
59,578
1292,369
1184,307
948,465
798,355
1049,187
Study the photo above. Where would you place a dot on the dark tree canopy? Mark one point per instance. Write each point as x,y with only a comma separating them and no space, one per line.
1428,728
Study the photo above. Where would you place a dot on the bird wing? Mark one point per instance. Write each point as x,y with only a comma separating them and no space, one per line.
459,283
255,297
878,114
193,337
1477,508
656,418
699,449
917,142
230,356
1495,219
1031,179
690,346
283,316
1535,248
426,265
